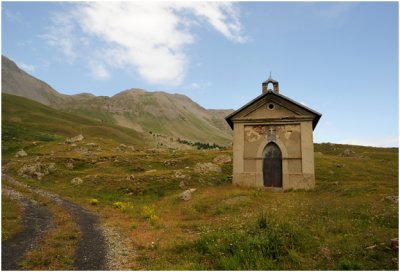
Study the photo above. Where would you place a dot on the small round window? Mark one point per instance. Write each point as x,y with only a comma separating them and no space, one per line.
271,106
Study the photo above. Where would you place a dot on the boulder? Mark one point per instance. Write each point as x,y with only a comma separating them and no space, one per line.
92,145
123,147
182,184
21,153
187,195
37,170
76,181
179,175
51,167
131,178
170,162
207,167
222,159
69,166
75,139
348,153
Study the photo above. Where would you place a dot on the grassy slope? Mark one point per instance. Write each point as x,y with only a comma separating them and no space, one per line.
157,114
222,227
24,121
326,228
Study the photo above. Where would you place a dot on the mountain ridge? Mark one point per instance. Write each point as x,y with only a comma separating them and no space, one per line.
174,115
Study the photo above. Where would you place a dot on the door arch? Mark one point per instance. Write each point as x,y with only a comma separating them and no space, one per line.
272,165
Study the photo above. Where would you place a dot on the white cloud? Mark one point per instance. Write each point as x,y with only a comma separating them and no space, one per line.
14,17
62,35
26,67
149,37
198,85
389,141
99,71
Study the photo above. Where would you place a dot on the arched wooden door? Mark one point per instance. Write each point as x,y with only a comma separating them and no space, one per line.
272,166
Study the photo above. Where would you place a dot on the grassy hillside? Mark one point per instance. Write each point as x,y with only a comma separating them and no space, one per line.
25,121
346,222
171,115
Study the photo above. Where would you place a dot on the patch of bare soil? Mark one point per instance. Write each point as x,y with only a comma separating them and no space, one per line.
37,220
91,251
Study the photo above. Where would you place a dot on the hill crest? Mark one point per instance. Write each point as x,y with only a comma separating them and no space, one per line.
160,112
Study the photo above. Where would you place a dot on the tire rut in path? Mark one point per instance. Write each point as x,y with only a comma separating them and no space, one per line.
36,221
91,250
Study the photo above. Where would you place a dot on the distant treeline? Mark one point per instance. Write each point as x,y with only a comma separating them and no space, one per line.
200,145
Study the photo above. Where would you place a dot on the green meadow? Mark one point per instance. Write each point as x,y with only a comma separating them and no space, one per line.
345,223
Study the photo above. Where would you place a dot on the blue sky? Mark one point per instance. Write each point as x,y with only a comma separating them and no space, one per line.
339,58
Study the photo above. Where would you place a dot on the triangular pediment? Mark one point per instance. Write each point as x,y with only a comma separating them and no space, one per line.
273,106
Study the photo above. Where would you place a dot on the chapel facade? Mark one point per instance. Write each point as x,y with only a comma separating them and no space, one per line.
273,142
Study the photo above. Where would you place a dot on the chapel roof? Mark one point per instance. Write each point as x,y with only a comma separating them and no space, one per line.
316,114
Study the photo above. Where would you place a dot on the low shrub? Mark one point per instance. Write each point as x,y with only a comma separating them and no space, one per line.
94,201
150,214
119,205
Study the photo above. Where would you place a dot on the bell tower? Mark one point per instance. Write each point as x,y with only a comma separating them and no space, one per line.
275,85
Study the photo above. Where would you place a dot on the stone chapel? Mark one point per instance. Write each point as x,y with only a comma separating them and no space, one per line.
273,141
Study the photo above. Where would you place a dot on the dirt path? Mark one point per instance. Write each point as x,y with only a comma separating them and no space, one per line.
37,219
91,251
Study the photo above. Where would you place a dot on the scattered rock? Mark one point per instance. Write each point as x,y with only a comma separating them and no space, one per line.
51,167
392,199
131,178
170,162
123,147
331,172
179,175
187,195
394,243
92,145
69,166
348,153
182,184
207,167
76,181
339,165
75,139
336,183
37,170
151,171
222,159
371,247
21,153
73,145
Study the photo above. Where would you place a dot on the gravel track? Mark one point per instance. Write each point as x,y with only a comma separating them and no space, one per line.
91,253
36,221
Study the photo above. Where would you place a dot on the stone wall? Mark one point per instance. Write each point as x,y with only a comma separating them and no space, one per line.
296,144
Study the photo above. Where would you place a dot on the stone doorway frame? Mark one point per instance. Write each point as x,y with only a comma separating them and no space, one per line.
259,168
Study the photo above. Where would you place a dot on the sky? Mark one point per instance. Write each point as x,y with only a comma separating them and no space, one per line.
338,58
